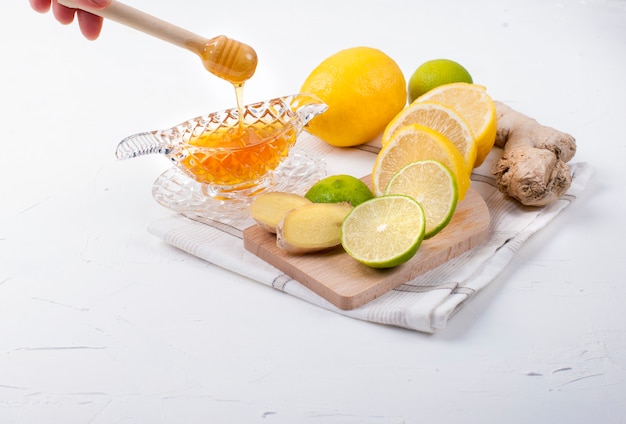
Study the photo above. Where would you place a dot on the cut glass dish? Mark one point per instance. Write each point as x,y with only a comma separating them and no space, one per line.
221,161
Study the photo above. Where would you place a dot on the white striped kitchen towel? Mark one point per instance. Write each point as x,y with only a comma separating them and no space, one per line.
423,304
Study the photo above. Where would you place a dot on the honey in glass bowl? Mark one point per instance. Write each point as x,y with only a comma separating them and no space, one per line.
233,149
238,156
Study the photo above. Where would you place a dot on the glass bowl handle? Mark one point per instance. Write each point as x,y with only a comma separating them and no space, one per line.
145,143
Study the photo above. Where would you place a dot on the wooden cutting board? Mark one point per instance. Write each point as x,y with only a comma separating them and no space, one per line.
348,284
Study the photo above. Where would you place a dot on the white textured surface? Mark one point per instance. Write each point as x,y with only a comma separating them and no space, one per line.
101,322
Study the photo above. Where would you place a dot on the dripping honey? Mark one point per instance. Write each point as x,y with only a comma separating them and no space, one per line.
241,153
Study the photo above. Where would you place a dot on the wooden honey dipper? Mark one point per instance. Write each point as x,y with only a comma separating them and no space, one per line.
226,58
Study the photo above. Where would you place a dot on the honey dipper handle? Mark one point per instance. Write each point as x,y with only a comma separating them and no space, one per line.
131,17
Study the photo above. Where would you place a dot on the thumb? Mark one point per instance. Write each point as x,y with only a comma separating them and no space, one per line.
92,4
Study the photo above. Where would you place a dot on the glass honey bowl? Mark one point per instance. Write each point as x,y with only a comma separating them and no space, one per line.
229,153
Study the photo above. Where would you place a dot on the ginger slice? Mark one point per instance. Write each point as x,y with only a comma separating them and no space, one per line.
312,228
533,168
268,209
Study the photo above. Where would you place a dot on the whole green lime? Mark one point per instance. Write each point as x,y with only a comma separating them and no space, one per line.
338,189
434,73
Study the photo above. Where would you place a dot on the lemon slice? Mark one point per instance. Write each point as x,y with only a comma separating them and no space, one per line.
440,118
412,143
433,186
385,231
475,106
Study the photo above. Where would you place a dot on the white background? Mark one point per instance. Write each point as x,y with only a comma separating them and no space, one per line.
101,322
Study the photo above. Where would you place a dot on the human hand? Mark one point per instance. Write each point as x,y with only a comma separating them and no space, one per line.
90,24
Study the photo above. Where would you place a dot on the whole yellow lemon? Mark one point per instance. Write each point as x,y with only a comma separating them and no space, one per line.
363,88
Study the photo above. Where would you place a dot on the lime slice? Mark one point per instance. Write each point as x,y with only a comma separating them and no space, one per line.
434,187
385,231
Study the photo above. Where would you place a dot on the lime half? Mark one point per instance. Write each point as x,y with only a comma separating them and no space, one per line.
385,231
434,187
339,189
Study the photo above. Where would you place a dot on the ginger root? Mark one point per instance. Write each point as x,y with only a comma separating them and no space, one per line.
268,209
311,228
533,167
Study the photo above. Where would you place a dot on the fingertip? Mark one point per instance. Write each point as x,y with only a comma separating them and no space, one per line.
91,34
63,14
41,6
90,25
